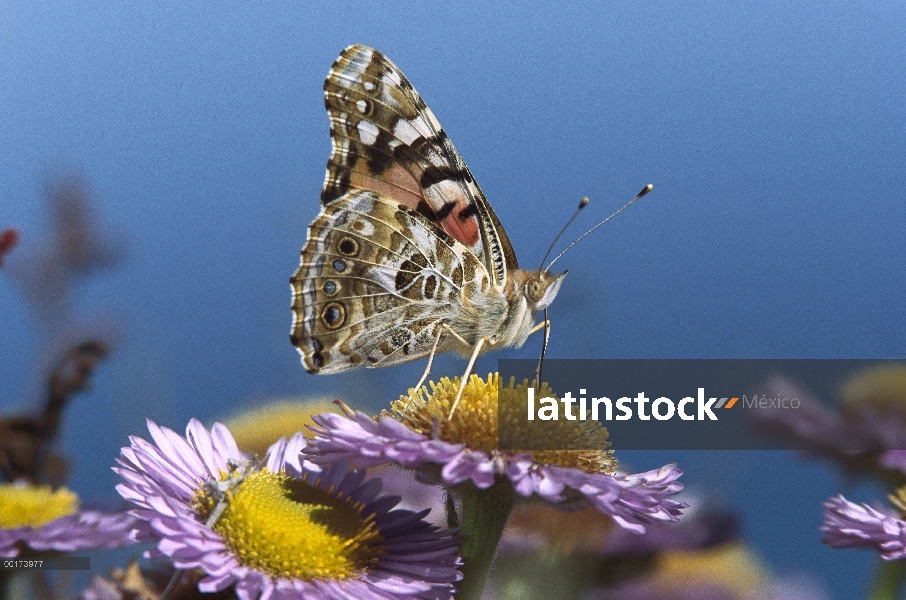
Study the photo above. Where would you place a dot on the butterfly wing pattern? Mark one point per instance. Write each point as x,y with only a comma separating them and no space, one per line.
406,241
386,139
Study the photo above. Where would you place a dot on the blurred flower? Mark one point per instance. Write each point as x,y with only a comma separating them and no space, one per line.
9,237
646,590
26,450
40,518
849,525
882,388
77,247
546,552
865,435
465,449
537,526
290,529
575,555
122,583
257,429
727,572
872,419
894,460
134,583
730,570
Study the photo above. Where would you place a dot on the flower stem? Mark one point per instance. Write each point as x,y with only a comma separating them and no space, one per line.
484,515
888,582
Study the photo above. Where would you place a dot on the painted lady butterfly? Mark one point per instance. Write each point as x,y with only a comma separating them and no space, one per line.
406,257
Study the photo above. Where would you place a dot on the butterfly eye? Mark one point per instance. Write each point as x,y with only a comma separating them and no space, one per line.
534,289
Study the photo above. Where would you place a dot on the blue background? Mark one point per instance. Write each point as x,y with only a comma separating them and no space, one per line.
773,133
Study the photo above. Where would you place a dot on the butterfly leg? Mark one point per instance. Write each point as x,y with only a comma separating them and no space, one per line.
546,323
440,332
461,339
462,384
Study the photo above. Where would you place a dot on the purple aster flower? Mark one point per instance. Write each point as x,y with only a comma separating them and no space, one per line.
781,589
291,529
894,460
848,525
795,587
727,572
465,449
704,527
645,590
42,519
536,526
864,425
414,494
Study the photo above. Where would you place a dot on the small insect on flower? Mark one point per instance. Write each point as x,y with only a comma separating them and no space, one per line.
288,528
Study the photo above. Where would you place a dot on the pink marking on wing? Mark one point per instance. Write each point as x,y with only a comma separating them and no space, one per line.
464,231
397,183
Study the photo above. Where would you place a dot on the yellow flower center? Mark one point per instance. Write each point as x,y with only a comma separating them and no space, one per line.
256,429
34,505
898,499
475,422
730,566
564,531
881,388
288,528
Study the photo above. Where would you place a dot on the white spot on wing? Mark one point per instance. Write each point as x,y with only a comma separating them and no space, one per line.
362,106
405,131
422,238
369,86
384,277
393,78
432,119
347,77
362,202
368,132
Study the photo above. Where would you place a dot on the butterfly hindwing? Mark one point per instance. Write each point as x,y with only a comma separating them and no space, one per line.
376,280
386,140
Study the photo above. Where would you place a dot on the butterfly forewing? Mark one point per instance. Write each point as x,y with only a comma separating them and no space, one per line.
385,139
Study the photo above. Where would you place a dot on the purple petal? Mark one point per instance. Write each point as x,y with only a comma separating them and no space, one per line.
848,525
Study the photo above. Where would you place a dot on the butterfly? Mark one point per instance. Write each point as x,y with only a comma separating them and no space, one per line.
406,257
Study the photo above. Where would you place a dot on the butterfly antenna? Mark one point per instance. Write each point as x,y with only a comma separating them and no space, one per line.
644,191
582,205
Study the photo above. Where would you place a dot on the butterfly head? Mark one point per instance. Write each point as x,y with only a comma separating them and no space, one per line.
540,288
